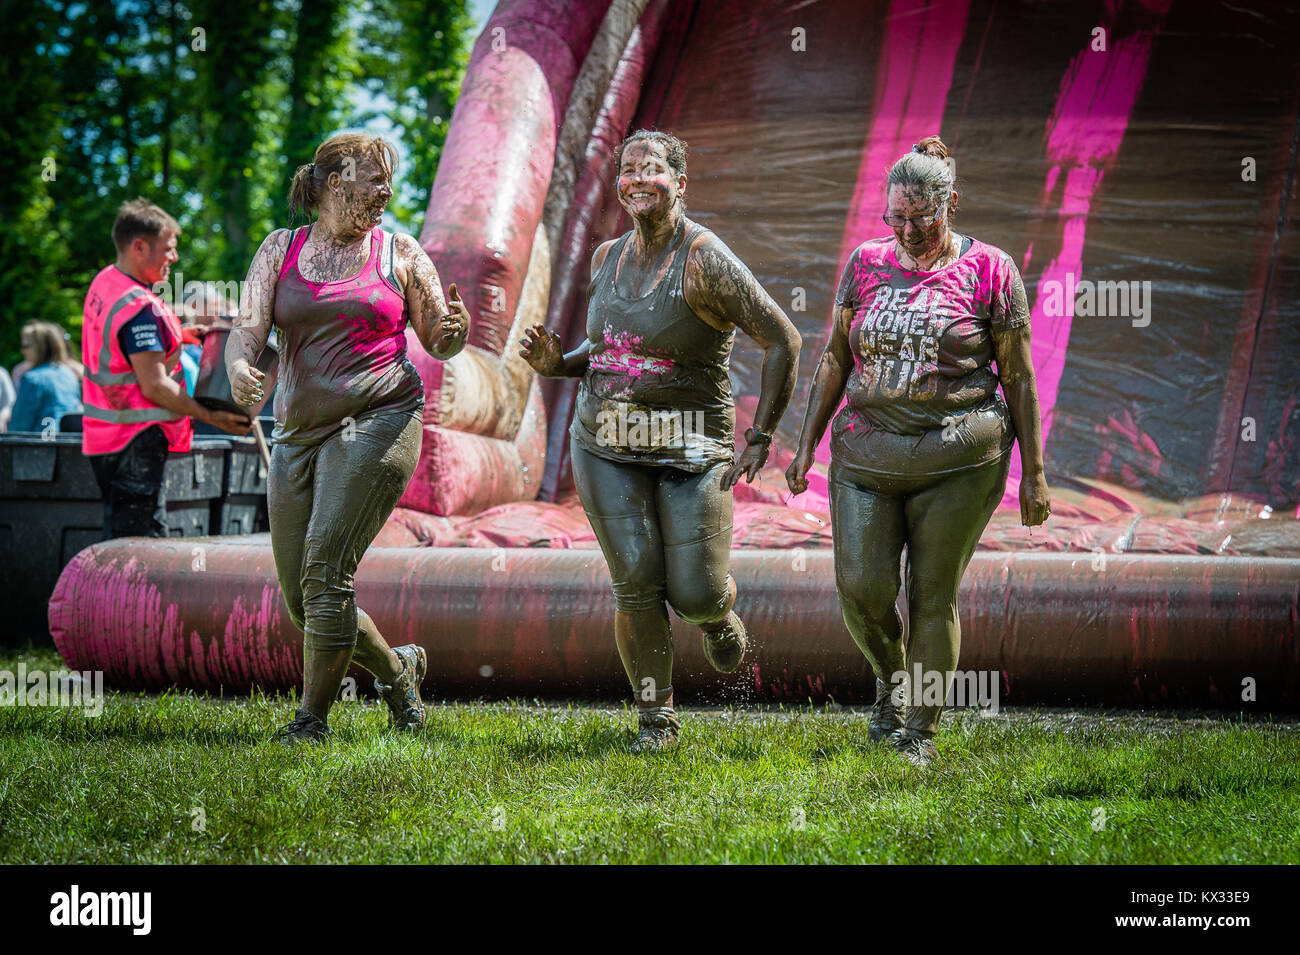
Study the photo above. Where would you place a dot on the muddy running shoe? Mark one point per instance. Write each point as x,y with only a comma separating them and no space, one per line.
659,726
725,647
916,748
886,715
405,711
304,728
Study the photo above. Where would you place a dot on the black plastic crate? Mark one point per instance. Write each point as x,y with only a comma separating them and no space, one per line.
34,468
188,518
199,474
37,539
239,514
245,470
50,509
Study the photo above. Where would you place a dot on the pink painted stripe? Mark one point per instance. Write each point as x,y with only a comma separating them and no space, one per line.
1083,137
913,77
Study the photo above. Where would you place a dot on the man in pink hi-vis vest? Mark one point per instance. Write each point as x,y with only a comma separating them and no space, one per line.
136,406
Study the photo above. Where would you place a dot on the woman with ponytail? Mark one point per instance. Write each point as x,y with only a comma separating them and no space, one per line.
349,409
921,450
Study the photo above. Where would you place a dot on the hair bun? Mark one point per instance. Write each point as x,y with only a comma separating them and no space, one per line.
931,146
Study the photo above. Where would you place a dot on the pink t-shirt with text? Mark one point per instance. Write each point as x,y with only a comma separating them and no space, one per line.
922,341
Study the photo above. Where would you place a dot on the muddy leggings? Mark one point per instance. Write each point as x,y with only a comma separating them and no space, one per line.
326,503
940,518
666,535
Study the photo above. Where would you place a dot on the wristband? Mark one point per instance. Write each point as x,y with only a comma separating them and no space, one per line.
754,436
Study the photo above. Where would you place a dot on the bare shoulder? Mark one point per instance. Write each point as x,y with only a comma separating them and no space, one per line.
409,257
712,268
276,244
711,264
708,249
268,262
598,257
406,245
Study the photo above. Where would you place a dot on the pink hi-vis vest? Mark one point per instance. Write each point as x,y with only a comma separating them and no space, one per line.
116,410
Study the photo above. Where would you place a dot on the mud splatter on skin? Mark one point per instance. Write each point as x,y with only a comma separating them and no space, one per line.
650,192
924,246
337,248
441,325
252,325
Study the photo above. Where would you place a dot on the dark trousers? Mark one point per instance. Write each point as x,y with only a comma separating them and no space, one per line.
131,482
940,518
327,502
665,533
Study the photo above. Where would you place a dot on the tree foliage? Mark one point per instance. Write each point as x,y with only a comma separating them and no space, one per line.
205,107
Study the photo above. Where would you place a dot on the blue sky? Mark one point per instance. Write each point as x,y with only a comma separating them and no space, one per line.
482,9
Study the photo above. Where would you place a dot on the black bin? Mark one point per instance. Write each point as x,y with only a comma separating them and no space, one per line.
49,510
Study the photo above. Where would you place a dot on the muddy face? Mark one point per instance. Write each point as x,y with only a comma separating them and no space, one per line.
359,202
647,186
917,242
158,257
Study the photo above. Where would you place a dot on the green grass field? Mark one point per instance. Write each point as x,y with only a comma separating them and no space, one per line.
181,778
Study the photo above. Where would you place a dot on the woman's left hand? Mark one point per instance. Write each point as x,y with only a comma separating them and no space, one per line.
455,323
1035,500
751,461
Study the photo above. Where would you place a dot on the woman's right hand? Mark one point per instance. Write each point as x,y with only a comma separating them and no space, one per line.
246,385
543,351
796,475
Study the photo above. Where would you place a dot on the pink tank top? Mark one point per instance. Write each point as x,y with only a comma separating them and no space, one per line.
342,346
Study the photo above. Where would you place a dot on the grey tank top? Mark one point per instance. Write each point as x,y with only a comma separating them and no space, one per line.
656,391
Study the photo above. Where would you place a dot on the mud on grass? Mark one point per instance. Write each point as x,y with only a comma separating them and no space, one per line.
183,778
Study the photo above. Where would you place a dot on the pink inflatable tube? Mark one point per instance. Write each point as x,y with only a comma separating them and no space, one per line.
496,165
206,614
483,215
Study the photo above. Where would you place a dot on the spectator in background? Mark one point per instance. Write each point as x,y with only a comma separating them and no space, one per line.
24,366
51,386
19,370
7,396
191,352
212,309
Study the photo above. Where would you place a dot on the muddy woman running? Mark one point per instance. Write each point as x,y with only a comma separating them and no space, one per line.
921,450
349,409
652,434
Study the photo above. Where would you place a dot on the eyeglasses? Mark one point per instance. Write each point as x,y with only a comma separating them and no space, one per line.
921,222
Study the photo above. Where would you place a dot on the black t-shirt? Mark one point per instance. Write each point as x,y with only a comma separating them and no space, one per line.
146,332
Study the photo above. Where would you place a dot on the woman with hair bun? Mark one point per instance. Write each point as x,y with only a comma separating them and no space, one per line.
349,409
920,453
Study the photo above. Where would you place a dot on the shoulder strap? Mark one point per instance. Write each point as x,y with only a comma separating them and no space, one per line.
692,232
616,251
608,270
127,305
296,242
388,259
